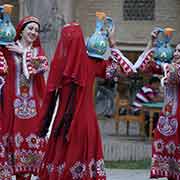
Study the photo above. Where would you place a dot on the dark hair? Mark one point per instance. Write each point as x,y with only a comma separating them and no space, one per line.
29,23
154,79
177,44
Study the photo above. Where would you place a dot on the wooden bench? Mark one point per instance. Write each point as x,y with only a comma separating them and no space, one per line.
127,117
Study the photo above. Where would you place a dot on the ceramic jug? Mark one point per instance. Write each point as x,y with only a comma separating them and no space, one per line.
7,30
163,51
97,43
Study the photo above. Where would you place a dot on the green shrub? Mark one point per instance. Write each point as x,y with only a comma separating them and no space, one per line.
141,164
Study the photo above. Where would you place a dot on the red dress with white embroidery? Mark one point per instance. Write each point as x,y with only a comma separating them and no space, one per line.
166,141
76,153
22,98
6,169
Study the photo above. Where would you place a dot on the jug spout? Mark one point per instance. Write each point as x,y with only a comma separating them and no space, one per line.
8,8
100,17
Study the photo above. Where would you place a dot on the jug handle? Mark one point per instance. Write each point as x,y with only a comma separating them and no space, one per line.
109,23
166,33
160,32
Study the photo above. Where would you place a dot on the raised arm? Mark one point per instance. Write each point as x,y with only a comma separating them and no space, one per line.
146,62
119,63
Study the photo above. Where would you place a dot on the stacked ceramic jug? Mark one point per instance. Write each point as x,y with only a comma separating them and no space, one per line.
7,30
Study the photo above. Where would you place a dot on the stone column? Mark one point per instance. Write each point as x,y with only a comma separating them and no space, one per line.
52,15
22,8
67,9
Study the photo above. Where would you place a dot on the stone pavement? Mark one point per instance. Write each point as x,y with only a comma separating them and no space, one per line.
123,174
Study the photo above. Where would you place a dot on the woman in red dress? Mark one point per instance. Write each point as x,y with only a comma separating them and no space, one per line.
75,147
166,140
6,169
22,95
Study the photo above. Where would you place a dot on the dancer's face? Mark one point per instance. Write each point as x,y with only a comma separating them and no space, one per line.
30,32
176,58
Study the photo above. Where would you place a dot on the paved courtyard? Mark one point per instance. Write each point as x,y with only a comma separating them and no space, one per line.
123,174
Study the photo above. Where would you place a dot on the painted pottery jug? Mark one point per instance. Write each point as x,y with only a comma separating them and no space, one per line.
97,43
163,50
7,30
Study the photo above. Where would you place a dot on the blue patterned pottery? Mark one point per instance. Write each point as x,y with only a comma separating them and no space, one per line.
163,51
97,43
7,30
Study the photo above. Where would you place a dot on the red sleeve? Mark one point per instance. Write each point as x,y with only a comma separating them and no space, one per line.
154,68
147,64
100,68
39,80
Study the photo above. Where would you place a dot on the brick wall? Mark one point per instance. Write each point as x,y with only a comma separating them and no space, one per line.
167,13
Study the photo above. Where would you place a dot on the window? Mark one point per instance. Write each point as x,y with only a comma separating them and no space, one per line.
138,10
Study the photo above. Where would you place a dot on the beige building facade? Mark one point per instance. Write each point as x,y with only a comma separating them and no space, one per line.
133,19
132,34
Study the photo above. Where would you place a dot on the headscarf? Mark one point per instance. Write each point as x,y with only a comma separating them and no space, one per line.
70,59
68,67
22,24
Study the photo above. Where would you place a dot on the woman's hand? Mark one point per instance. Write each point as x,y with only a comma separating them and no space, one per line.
154,35
111,37
15,48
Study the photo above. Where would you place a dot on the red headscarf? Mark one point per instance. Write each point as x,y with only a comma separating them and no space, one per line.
21,25
70,59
